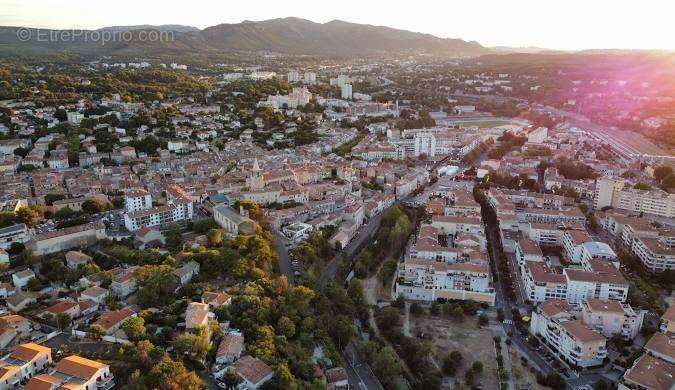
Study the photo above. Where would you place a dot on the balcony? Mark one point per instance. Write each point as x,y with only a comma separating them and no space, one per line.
106,383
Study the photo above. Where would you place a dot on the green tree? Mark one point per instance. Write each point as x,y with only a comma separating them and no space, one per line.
27,216
286,327
94,206
386,368
215,237
96,332
134,327
194,346
63,320
231,379
169,374
174,238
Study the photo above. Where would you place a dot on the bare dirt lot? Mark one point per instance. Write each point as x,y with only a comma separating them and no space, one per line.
474,343
523,377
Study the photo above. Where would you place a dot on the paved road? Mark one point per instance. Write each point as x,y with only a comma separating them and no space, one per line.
503,302
284,260
358,370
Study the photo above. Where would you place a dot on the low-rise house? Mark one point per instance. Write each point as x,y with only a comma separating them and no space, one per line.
147,237
4,256
197,317
216,299
21,278
18,233
111,321
24,362
94,294
76,373
124,282
6,290
18,323
336,378
253,372
230,348
71,308
75,258
186,272
20,301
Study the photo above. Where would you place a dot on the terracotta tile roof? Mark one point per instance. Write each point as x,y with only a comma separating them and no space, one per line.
231,344
669,315
530,247
8,371
252,369
543,274
336,374
28,352
605,305
662,344
215,298
61,307
651,373
581,331
78,366
196,314
111,318
42,382
553,307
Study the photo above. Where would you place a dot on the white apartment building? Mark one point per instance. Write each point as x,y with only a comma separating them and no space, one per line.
453,225
137,200
425,143
309,77
346,91
179,208
293,76
428,280
572,340
612,318
602,280
541,283
537,135
612,192
528,250
655,253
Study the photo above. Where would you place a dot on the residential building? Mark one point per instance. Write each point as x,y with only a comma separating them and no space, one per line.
253,372
21,278
230,348
137,200
572,340
76,373
612,318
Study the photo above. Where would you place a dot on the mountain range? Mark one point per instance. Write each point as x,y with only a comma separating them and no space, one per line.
292,36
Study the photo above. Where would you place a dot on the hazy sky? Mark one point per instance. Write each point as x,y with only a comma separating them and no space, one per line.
569,24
